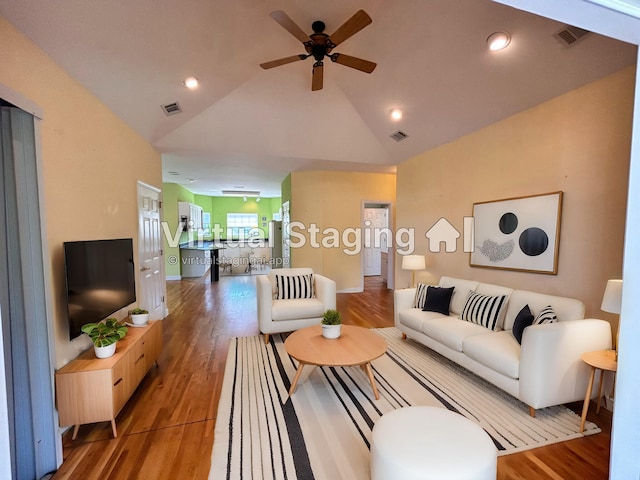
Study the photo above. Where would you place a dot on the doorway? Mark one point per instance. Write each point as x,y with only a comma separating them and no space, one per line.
377,256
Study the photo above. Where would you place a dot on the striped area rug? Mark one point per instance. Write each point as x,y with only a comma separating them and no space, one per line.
324,430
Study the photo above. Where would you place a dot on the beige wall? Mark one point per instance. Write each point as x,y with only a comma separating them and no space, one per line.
578,143
335,200
91,162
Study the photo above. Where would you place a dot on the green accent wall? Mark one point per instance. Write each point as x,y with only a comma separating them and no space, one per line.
172,193
285,188
217,207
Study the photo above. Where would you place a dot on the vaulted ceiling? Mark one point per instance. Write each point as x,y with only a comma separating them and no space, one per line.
248,127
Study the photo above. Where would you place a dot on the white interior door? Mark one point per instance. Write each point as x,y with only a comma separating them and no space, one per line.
374,219
152,280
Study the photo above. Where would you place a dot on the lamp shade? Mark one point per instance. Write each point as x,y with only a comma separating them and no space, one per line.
612,298
413,262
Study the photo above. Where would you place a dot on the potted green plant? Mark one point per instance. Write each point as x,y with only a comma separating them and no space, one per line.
104,336
331,324
139,316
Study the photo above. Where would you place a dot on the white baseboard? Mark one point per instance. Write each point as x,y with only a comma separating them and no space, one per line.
351,290
174,277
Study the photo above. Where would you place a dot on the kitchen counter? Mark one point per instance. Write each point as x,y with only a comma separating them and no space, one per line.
197,257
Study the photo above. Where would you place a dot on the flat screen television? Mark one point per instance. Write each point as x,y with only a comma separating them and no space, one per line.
100,280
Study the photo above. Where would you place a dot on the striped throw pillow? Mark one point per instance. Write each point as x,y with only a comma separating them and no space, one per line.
421,296
294,286
546,315
483,309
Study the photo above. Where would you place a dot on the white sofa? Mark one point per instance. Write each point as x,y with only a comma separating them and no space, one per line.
544,370
279,315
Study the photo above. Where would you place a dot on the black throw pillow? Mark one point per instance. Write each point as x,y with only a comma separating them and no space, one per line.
438,300
522,321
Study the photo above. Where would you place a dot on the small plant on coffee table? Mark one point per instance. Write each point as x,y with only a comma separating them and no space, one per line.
332,317
331,324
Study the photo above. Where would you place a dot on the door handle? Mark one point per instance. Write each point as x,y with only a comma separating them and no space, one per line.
144,269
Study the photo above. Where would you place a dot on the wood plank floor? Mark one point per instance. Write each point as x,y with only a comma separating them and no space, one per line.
166,430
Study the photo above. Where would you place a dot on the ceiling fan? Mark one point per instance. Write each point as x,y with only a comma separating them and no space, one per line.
319,45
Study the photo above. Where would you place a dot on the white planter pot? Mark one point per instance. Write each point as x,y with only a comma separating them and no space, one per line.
331,331
105,352
140,319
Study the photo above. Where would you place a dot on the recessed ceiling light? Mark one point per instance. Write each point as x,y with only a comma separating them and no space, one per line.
191,83
498,40
191,180
396,114
174,173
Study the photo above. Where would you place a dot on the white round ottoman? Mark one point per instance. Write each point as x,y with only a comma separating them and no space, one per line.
413,443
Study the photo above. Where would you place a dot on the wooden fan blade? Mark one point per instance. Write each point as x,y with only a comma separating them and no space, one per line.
352,26
282,61
353,62
289,25
316,79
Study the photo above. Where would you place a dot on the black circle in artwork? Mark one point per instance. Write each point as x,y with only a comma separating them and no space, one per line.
508,223
533,241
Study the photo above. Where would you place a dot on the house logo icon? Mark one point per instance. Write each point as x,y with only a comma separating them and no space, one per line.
444,232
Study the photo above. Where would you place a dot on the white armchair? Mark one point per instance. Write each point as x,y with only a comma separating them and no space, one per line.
286,315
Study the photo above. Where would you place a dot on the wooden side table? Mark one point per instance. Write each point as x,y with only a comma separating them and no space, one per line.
604,360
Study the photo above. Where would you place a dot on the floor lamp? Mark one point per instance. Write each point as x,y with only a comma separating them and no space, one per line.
612,302
413,263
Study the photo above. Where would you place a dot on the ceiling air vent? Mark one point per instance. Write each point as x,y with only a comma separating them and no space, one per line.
399,136
569,35
171,108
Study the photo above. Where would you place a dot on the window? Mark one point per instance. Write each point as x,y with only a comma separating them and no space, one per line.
239,225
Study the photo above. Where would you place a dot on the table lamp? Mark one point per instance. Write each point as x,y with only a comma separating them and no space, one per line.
413,263
612,302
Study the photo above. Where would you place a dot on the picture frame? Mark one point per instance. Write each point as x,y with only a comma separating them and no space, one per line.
521,233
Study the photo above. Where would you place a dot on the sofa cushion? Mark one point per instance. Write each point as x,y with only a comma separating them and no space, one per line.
413,317
451,331
565,308
489,289
438,299
498,350
296,309
294,286
285,271
546,315
421,295
522,321
484,310
459,296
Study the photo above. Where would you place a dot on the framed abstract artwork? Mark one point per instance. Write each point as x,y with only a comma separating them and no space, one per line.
520,233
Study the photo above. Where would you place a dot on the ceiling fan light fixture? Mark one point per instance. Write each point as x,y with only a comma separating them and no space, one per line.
191,83
396,114
241,193
498,40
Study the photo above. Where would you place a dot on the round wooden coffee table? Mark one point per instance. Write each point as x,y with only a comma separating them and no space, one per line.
355,346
